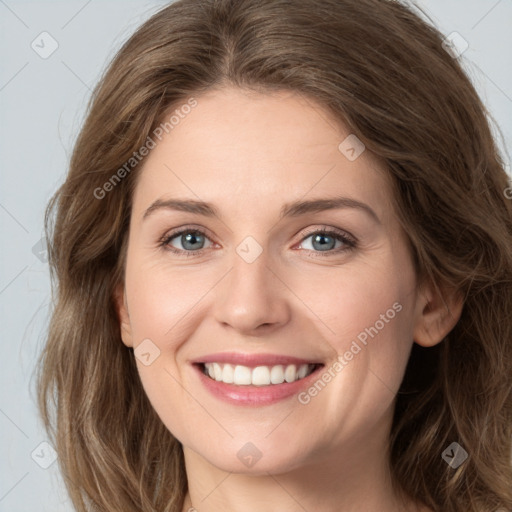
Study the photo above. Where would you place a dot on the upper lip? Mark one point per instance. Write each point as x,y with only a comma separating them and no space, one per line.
253,360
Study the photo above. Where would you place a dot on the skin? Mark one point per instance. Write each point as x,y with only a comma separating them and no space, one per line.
249,153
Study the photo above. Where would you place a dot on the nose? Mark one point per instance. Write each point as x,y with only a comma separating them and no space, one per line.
252,299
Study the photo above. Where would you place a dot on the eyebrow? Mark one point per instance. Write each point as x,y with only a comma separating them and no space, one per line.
294,209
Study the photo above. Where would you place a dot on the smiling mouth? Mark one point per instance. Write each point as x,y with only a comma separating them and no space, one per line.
240,375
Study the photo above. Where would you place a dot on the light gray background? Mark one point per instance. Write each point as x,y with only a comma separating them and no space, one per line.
42,104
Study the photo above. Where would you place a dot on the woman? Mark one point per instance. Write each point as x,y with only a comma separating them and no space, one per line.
283,269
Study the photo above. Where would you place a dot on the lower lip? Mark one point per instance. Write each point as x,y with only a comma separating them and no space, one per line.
255,395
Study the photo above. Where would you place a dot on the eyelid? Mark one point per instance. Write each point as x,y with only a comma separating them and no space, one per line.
329,229
187,228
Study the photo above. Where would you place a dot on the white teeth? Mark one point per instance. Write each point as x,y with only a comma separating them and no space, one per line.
242,376
302,372
277,374
217,371
259,376
228,374
290,374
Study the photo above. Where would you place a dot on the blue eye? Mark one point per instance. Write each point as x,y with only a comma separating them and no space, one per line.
323,244
326,241
191,240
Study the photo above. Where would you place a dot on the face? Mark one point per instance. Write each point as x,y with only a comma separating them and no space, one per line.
266,283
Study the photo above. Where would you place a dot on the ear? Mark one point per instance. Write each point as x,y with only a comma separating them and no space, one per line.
123,315
438,310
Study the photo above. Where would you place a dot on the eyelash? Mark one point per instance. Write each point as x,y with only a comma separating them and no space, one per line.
349,241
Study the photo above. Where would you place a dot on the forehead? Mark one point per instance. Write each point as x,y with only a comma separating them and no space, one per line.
250,149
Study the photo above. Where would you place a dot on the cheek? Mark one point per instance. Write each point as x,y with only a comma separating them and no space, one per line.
367,321
161,302
365,317
164,304
347,302
161,299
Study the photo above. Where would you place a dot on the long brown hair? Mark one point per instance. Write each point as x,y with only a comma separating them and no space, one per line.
382,70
